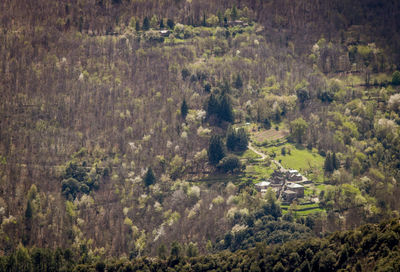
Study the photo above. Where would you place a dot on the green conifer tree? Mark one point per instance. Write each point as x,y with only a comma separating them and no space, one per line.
149,177
238,82
328,165
335,162
146,24
225,111
216,150
184,109
242,140
231,139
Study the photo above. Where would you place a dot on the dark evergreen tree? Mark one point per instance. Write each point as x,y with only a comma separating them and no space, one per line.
204,20
212,105
335,162
137,26
170,23
396,78
185,73
238,82
302,96
216,150
267,123
176,250
328,165
207,87
149,177
162,23
70,188
225,111
146,24
230,164
231,138
100,266
242,140
184,109
28,222
28,211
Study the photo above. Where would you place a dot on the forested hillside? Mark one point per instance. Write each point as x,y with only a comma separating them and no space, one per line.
369,248
125,127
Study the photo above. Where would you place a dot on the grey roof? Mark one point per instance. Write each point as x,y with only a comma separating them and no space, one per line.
294,185
263,183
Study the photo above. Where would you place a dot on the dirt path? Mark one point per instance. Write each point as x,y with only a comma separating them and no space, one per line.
263,156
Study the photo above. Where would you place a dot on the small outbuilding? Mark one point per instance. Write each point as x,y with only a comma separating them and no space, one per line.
263,185
165,33
289,195
297,188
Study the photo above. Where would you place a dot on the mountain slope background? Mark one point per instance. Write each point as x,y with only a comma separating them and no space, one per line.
91,99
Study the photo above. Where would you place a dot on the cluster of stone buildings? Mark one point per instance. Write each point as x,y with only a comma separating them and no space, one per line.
286,184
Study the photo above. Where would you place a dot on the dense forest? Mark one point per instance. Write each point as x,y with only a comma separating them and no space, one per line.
137,132
369,248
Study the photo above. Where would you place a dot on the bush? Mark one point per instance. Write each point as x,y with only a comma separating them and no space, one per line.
230,164
396,78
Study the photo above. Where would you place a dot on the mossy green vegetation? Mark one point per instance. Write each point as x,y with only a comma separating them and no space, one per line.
308,162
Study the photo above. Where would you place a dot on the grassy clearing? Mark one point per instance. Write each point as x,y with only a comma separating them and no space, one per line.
248,154
219,178
307,162
307,212
259,171
302,210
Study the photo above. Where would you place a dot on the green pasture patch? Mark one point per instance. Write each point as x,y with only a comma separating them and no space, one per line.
248,154
300,158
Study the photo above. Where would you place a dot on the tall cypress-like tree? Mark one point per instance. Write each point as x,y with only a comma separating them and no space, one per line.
225,112
28,211
231,138
212,105
221,106
146,24
184,109
242,140
149,177
238,82
328,165
170,23
216,150
234,13
335,162
137,26
267,123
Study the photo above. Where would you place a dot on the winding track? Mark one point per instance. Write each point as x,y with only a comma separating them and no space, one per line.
263,156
